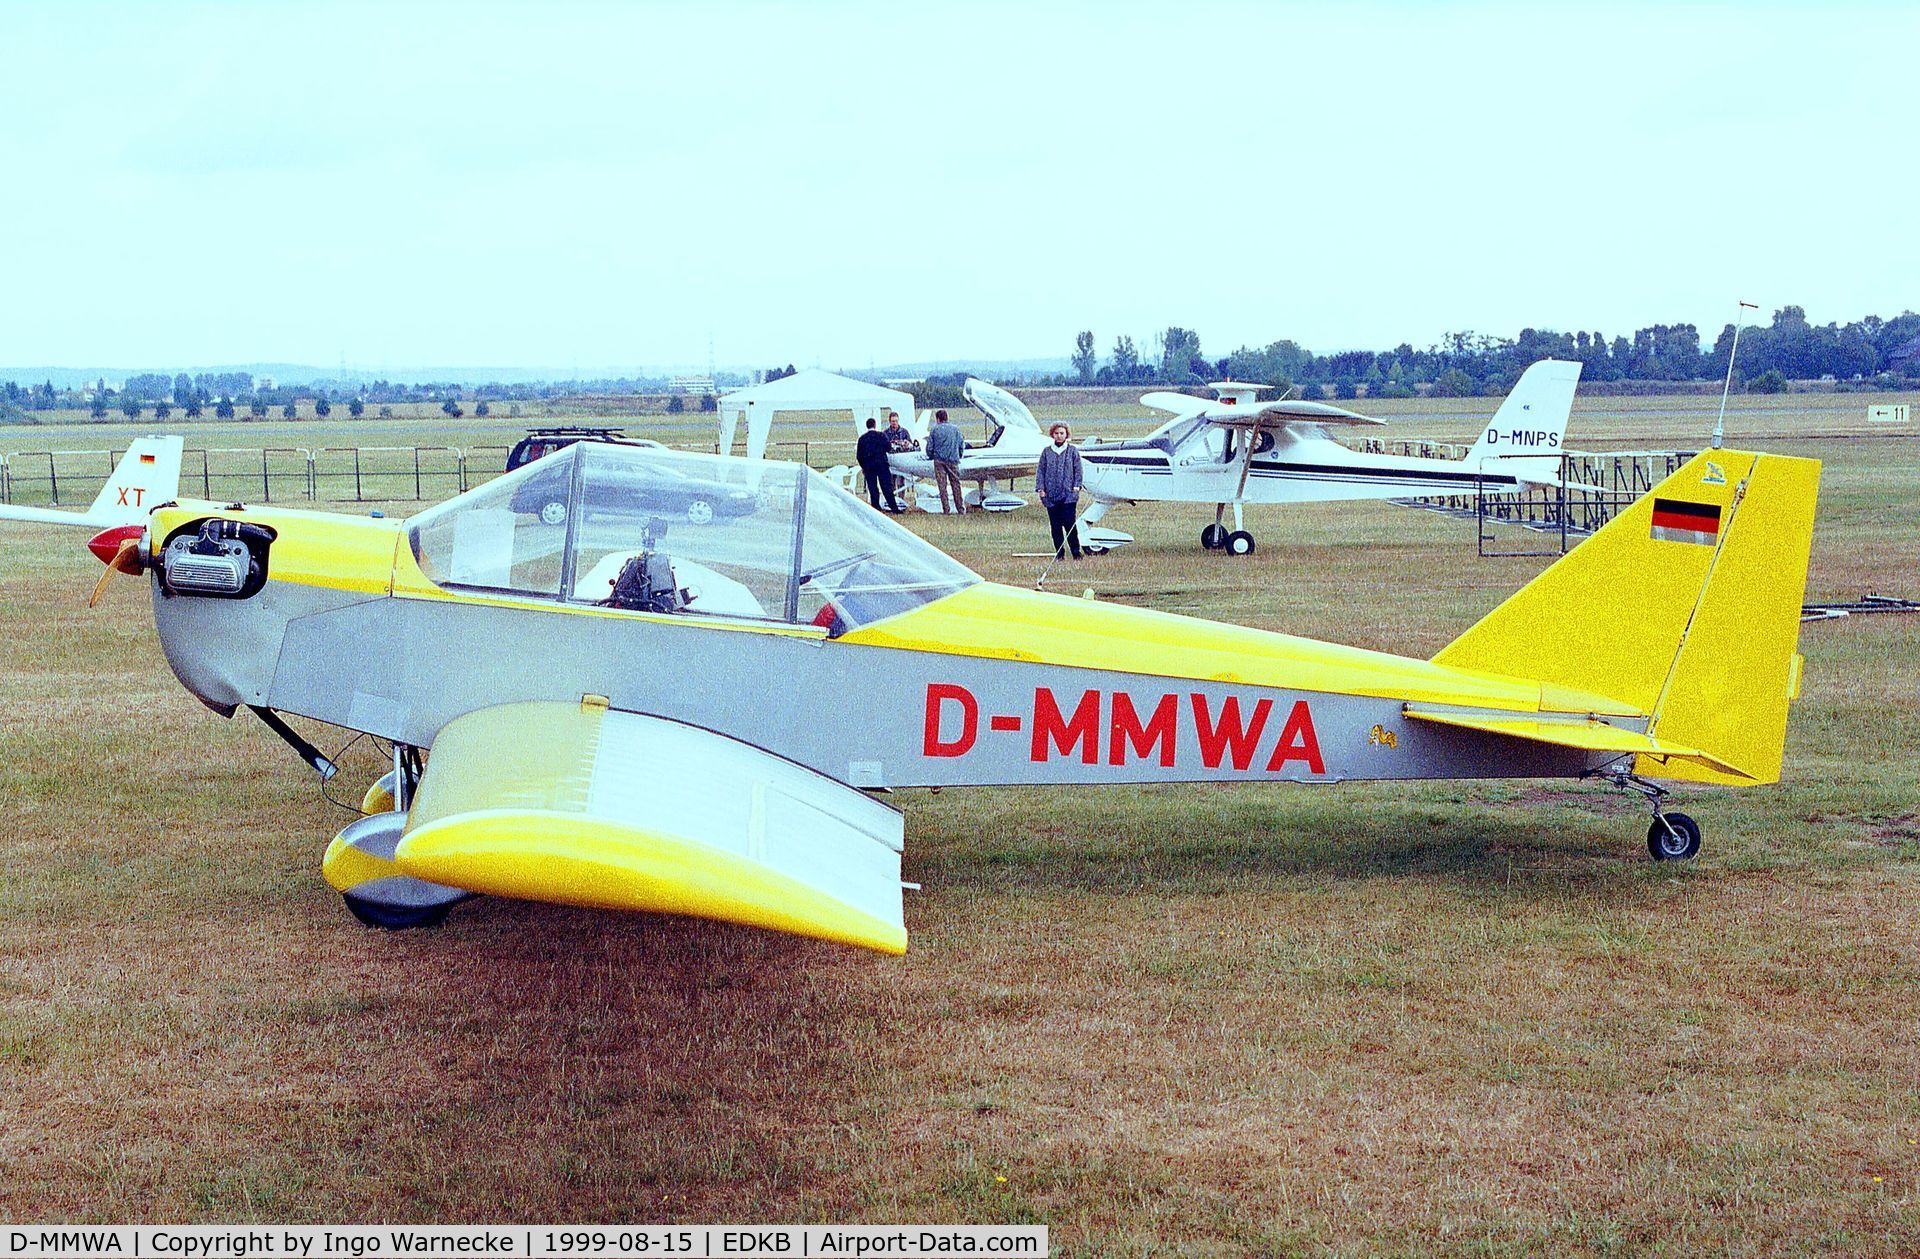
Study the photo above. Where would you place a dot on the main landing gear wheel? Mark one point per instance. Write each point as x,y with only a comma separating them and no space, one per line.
395,917
1673,837
1239,542
1213,537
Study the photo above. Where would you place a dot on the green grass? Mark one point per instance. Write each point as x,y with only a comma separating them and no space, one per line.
1466,1018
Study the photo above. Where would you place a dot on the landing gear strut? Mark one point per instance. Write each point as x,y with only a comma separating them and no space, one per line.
1217,537
1671,836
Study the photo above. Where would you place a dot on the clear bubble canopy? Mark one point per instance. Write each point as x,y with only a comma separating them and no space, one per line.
650,530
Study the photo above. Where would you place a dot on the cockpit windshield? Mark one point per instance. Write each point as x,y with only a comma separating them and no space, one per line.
659,531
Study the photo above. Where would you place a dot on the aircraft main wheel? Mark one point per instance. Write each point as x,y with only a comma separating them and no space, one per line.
700,512
394,917
1239,542
1213,537
1681,843
553,514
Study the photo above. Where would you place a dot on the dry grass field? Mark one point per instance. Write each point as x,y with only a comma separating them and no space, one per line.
1367,1019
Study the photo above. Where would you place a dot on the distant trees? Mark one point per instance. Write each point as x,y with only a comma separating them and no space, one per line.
130,408
708,402
780,373
99,408
257,408
223,409
161,410
481,408
449,408
183,391
676,404
1180,361
193,406
321,407
356,408
1084,359
289,411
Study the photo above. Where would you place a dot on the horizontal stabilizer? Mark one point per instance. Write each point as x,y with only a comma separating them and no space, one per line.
1588,733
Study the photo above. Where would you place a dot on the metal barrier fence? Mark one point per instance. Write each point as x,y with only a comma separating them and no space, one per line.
271,474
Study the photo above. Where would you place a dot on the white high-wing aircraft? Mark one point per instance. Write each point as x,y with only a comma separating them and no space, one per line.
1012,451
1234,451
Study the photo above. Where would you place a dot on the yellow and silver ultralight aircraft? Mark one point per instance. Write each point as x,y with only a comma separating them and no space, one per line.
633,668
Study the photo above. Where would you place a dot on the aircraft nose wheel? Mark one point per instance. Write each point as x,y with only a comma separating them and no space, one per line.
1213,537
1673,837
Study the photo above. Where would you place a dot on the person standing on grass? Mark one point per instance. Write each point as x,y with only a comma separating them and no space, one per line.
1058,479
944,447
872,454
898,438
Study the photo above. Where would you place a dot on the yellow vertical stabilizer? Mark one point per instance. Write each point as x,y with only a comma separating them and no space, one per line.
1686,606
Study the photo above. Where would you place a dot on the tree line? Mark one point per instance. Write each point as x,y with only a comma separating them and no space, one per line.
1875,352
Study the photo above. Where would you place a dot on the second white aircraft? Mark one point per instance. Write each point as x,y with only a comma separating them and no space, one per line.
1234,450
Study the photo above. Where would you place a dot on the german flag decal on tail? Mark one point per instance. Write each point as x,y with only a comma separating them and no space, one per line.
1675,520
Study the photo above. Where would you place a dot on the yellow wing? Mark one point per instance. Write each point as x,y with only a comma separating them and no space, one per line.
579,805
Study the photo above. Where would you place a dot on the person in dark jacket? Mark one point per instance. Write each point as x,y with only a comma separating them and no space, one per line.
898,438
872,454
1057,477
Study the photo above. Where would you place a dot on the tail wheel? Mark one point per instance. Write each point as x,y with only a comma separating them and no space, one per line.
1213,537
1239,542
1673,837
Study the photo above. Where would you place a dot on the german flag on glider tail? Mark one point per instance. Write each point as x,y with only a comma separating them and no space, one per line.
1676,520
146,458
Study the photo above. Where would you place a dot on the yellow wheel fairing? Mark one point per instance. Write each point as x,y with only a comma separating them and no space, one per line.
346,867
379,797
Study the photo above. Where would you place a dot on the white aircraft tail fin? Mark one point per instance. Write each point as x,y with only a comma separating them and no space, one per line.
146,476
1526,434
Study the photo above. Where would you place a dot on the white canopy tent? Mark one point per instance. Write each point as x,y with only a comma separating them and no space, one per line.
810,390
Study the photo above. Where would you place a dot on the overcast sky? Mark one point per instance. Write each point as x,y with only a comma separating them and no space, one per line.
608,185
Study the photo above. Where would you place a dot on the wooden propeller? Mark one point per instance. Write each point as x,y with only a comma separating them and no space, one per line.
125,560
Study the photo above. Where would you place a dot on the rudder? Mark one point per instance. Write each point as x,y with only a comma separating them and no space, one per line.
1685,606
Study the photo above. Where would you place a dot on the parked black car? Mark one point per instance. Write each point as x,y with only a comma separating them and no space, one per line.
635,489
544,441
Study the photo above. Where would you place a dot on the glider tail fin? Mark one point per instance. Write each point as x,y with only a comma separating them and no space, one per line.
146,476
1527,433
1686,606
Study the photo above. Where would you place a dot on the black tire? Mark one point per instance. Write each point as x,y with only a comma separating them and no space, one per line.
1239,542
1213,537
394,918
1680,844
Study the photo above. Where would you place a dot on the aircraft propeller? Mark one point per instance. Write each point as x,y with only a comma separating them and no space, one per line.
119,550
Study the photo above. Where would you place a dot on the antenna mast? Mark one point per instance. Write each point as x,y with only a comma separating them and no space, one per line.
1720,424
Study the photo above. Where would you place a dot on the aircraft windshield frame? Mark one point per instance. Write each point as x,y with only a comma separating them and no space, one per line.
653,530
